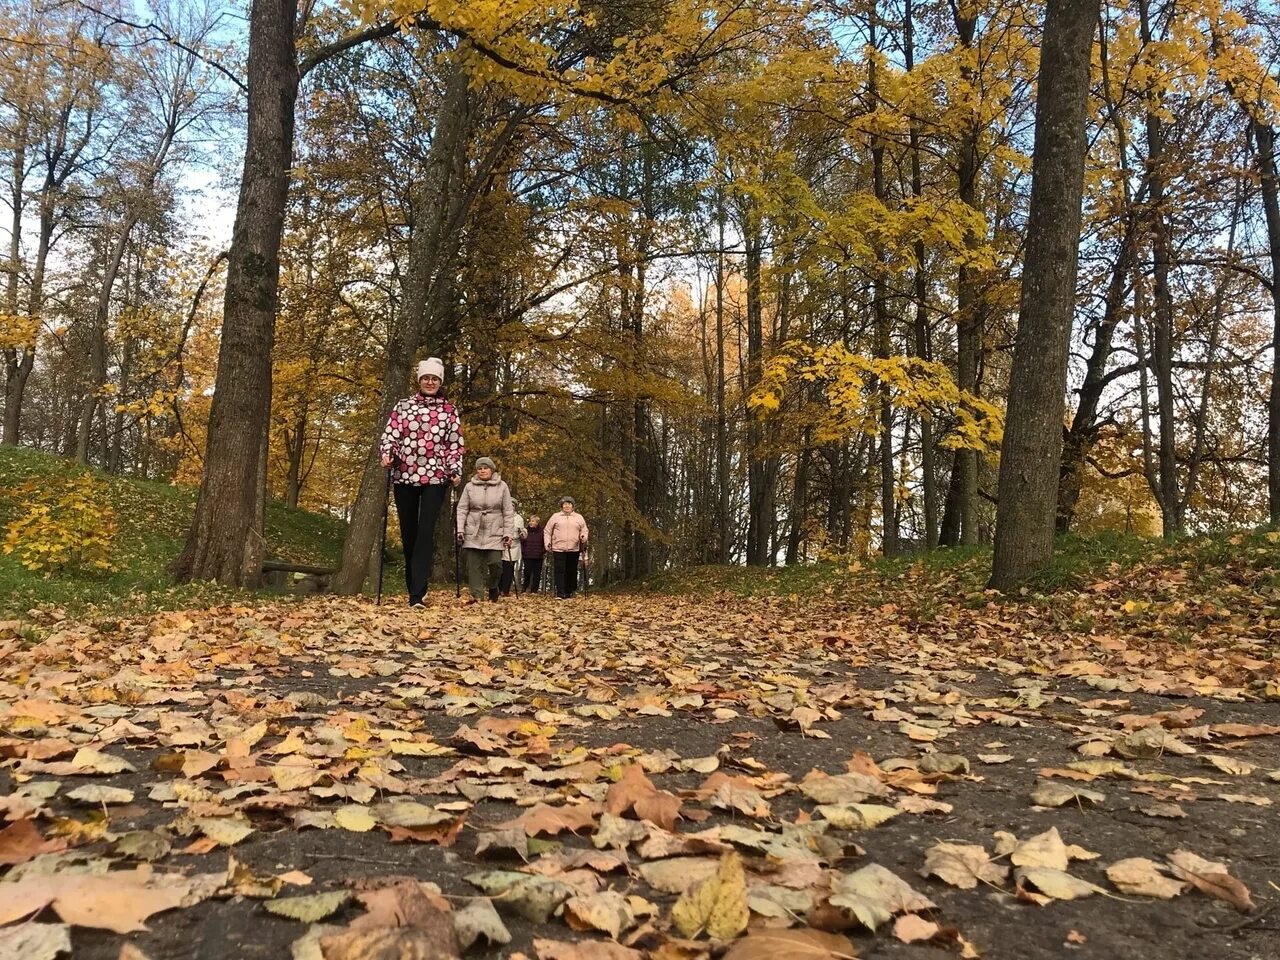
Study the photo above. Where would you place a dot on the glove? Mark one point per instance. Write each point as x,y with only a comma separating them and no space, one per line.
460,538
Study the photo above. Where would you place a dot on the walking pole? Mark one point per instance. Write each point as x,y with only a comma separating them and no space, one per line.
582,563
457,549
382,542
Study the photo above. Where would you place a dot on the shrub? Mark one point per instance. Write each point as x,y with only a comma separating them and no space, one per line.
66,524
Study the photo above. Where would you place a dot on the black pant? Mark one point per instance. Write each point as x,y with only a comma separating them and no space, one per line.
507,577
417,508
531,582
564,566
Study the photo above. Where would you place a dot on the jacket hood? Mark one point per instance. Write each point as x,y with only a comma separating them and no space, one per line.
494,478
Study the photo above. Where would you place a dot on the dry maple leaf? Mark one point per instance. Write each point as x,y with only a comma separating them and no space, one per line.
635,791
1211,878
554,820
962,865
717,905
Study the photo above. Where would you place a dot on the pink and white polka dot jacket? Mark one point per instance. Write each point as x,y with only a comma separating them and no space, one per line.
424,439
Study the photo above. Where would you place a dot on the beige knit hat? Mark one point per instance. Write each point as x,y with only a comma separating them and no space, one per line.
431,367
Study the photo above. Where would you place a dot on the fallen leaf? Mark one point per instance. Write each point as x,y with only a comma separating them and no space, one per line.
842,789
962,865
607,912
791,945
543,819
563,950
911,928
857,816
1140,877
1055,884
355,818
21,840
635,791
310,909
716,905
874,894
95,794
677,874
35,941
1055,793
532,897
224,831
1211,878
479,919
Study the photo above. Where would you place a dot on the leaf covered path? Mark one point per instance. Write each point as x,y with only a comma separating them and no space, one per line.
637,776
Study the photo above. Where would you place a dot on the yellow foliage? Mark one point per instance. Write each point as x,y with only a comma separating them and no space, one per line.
62,525
851,406
18,330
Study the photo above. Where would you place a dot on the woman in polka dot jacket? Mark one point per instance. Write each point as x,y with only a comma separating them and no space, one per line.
422,447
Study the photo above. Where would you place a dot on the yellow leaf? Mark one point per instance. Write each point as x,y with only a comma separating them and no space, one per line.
718,905
355,818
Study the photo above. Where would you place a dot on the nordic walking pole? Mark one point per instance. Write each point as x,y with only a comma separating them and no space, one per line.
457,550
382,541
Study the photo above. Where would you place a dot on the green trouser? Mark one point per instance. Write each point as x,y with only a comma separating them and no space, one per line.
484,567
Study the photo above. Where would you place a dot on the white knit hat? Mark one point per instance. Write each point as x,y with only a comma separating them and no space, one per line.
431,367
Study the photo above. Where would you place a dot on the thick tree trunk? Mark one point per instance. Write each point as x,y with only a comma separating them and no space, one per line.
1032,447
226,539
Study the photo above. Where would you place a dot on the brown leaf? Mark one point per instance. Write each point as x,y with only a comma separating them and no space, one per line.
554,820
912,927
592,950
635,791
444,834
791,945
1211,878
21,841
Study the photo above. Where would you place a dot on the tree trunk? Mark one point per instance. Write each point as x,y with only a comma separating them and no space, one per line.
1032,447
431,248
1265,136
226,539
922,334
970,310
725,539
98,341
759,503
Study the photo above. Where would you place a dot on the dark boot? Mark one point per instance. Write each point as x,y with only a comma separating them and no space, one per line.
493,593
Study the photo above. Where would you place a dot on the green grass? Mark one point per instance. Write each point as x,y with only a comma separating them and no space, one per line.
920,580
152,522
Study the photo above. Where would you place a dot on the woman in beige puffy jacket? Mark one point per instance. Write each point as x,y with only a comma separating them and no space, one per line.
565,536
486,525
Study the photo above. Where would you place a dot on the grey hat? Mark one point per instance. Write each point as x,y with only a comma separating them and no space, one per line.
564,500
486,462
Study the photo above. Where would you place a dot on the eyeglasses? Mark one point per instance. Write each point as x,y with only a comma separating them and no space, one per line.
431,379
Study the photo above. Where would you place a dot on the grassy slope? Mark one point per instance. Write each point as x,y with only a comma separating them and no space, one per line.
1221,571
152,519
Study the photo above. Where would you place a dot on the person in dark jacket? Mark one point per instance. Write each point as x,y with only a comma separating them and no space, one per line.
533,550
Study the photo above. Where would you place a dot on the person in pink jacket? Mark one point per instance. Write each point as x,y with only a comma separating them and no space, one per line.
565,536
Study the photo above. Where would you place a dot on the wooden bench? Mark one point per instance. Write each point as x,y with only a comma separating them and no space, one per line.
280,574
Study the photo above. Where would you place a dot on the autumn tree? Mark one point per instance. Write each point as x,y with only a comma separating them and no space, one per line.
1032,443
